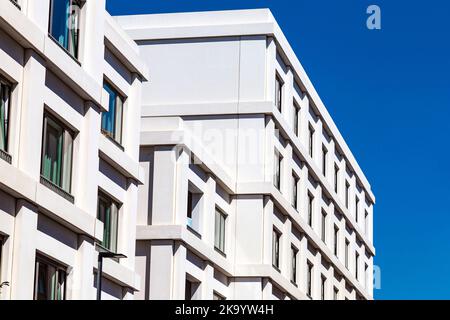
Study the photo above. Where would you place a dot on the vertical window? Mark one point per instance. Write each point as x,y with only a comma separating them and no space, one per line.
311,142
64,24
190,290
309,272
336,240
356,209
336,178
347,190
5,98
347,245
50,280
277,170
219,231
276,248
296,118
323,283
278,92
194,199
108,213
310,209
324,226
295,181
336,293
57,146
112,120
357,266
294,253
324,160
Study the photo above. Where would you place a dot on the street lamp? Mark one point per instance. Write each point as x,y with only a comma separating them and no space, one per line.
103,253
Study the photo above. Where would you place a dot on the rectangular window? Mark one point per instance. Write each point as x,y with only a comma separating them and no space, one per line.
65,24
295,181
194,199
5,98
336,178
324,226
357,266
356,209
276,249
57,146
294,253
324,160
347,190
347,245
311,142
191,289
219,231
309,271
336,293
296,118
277,170
112,120
336,240
310,209
278,92
108,213
50,280
323,283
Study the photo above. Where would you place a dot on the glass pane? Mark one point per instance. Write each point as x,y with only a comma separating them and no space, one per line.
112,120
119,115
73,24
51,166
4,110
67,161
114,227
217,230
60,21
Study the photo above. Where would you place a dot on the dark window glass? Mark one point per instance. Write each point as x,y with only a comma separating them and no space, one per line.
64,24
112,120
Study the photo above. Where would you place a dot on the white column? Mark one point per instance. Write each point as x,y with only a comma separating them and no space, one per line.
83,271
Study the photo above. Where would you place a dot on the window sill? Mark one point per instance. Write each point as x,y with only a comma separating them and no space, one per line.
15,4
65,50
5,156
57,190
198,235
117,144
220,252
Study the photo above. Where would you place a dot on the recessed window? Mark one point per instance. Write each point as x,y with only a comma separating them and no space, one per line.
294,253
310,209
192,290
336,293
336,178
311,142
57,149
309,271
356,209
277,170
218,297
112,120
65,24
323,283
357,266
295,181
347,248
219,231
324,226
296,118
276,248
347,191
336,240
108,213
50,280
278,92
324,160
5,98
194,199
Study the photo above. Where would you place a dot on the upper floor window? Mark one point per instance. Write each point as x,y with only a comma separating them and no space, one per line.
336,178
5,98
309,272
347,192
276,248
323,283
108,213
311,141
50,280
347,248
112,120
194,200
295,181
356,209
296,118
219,231
57,146
64,24
294,253
310,209
357,266
277,170
336,240
324,160
324,226
335,293
278,92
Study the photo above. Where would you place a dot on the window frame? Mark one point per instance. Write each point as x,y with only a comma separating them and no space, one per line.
311,133
109,87
295,182
7,111
113,207
324,227
40,259
221,246
279,84
276,239
294,263
309,278
310,209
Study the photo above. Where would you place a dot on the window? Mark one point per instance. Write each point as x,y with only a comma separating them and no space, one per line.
50,280
64,24
108,213
191,289
311,142
277,170
336,178
310,209
218,297
324,160
347,190
323,283
112,120
193,209
56,166
357,266
324,226
366,222
5,98
356,209
219,231
1,248
295,181
336,293
336,240
309,271
294,253
296,118
276,249
278,92
347,245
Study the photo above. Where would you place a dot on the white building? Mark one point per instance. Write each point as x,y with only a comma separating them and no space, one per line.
69,148
250,191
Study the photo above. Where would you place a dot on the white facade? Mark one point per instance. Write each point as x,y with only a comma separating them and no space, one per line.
211,127
42,221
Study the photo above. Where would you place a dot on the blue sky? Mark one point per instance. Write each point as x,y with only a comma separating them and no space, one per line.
389,94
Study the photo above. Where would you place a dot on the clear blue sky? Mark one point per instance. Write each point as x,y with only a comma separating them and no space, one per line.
389,94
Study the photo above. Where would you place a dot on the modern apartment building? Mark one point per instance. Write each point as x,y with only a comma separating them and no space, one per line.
250,191
70,92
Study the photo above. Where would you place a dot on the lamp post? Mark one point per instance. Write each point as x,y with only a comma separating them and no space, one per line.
101,256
